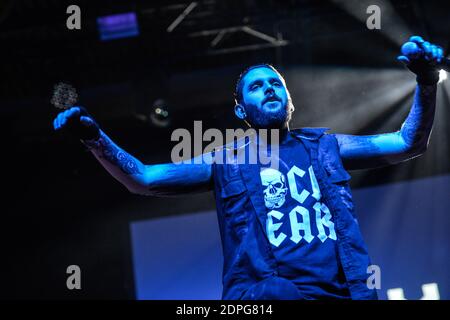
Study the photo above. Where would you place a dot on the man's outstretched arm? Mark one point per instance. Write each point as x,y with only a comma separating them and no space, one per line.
362,152
157,179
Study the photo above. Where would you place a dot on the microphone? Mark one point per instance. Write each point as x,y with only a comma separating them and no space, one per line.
412,50
64,96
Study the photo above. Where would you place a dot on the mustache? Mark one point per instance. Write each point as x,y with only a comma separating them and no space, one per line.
271,97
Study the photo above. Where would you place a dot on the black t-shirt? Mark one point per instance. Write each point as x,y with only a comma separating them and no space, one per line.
299,226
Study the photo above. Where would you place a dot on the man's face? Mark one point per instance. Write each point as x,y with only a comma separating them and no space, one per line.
265,99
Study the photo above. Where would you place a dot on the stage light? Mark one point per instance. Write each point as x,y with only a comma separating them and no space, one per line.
159,114
117,26
442,75
358,95
393,27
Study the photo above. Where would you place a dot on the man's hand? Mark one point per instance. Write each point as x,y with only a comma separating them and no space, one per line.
78,122
422,58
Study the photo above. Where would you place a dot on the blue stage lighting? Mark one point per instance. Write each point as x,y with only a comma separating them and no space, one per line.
117,26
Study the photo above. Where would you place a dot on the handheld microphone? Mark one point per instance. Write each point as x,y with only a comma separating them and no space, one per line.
64,96
412,50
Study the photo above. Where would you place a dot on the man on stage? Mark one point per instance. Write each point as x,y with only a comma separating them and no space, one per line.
288,232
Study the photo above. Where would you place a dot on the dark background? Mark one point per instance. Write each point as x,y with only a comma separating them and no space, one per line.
62,208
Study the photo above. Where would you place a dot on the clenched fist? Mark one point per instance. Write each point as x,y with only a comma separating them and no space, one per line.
78,122
422,58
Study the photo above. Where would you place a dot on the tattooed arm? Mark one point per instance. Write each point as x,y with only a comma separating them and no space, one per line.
362,152
157,180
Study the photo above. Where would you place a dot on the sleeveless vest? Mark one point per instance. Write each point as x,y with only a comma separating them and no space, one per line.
247,252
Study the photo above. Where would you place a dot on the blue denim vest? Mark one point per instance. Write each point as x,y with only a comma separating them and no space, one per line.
247,252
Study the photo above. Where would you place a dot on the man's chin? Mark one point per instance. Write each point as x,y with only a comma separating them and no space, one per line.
270,116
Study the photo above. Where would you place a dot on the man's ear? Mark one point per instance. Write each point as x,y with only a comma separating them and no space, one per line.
239,111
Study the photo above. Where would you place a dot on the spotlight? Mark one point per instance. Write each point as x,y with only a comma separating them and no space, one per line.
159,114
442,75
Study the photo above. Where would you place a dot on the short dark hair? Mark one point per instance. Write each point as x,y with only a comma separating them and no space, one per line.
240,83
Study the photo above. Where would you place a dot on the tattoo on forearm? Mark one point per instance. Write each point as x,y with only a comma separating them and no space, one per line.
109,151
417,125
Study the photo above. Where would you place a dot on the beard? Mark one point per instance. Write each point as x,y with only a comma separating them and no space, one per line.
261,119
